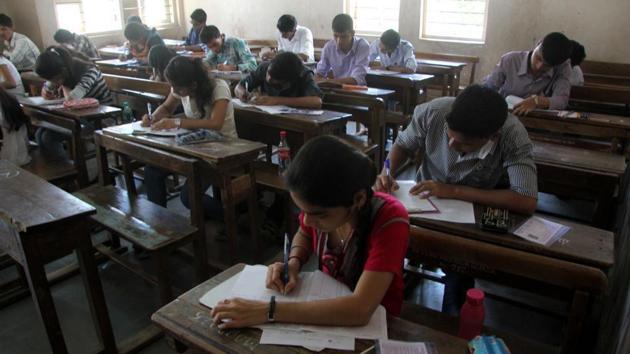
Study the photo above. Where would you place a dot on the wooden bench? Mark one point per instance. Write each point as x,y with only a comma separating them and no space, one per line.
581,173
136,91
578,284
601,98
470,61
601,72
53,170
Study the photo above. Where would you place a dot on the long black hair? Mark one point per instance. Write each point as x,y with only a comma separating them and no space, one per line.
184,72
14,116
56,60
159,57
328,172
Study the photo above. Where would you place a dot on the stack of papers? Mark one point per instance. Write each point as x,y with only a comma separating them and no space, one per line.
398,347
138,129
512,101
250,284
541,231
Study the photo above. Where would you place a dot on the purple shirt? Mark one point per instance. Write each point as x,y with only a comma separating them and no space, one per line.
511,77
353,64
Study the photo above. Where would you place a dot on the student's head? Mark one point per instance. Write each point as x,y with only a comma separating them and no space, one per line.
284,69
188,77
330,181
198,19
390,40
287,25
62,66
553,50
12,111
476,116
6,27
578,53
212,38
136,33
63,36
159,57
343,31
133,19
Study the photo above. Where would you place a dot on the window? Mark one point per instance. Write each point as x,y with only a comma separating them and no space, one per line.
97,16
456,20
373,17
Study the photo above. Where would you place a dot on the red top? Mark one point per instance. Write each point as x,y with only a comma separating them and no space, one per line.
386,249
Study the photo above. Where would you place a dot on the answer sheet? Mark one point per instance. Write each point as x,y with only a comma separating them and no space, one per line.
413,203
138,129
451,210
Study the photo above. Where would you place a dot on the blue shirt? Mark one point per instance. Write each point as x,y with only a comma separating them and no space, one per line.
193,37
403,55
353,64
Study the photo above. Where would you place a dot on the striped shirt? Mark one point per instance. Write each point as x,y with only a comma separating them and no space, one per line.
511,154
22,52
92,85
234,52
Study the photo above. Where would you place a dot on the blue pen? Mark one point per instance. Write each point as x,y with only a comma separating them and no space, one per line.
285,270
387,167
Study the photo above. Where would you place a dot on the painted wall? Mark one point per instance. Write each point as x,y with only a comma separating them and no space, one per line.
512,24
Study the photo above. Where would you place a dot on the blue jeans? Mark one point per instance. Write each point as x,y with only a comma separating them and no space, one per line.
51,142
155,182
455,288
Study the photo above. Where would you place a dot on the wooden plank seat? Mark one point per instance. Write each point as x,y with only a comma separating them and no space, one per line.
577,284
601,99
575,172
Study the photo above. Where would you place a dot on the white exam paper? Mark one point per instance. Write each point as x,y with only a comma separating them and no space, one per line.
310,340
138,129
413,203
399,347
451,210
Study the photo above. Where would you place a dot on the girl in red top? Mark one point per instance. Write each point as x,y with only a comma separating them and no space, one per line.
358,236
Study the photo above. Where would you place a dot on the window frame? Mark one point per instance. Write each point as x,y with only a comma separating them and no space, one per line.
369,33
177,21
423,19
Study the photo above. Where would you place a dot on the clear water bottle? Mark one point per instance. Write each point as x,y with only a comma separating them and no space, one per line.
284,153
127,113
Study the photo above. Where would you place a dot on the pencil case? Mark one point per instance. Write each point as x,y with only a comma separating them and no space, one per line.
488,345
198,136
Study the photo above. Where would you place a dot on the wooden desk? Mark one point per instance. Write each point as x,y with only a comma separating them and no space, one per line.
448,70
114,67
111,51
254,124
601,98
173,42
188,321
408,86
583,244
38,224
223,161
63,117
615,129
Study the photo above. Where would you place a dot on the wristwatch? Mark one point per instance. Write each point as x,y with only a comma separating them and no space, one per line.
272,310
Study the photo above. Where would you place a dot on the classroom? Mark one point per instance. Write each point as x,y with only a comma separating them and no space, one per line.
339,176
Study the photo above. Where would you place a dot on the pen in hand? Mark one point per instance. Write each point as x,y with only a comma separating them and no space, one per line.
285,268
149,113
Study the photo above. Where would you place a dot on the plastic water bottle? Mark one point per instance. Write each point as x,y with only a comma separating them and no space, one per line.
472,315
127,113
284,153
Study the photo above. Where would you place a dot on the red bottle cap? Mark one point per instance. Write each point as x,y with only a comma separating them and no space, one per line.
474,296
283,133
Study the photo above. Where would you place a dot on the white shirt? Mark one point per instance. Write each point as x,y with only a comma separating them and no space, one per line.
22,52
403,55
14,144
301,43
221,92
19,88
577,77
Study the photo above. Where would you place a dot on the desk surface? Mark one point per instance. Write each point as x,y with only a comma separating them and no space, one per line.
289,121
217,152
582,244
452,64
173,42
415,77
370,92
31,201
88,113
189,321
604,162
595,119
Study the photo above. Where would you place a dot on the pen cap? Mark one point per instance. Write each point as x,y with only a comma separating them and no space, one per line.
387,163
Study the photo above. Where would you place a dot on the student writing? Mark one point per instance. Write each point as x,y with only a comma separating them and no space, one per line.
141,39
293,38
20,49
226,53
393,53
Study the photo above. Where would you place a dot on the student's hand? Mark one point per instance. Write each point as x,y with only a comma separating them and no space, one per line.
241,93
385,183
432,188
163,124
274,276
145,121
239,313
122,57
226,67
524,107
47,94
265,100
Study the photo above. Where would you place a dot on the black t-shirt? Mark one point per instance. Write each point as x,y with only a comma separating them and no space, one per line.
304,86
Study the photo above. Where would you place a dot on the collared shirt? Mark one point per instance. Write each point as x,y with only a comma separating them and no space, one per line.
304,86
577,77
15,75
511,76
301,43
193,37
353,64
83,45
403,55
235,52
22,52
511,154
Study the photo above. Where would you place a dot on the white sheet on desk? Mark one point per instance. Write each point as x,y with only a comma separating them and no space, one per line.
399,347
512,101
383,72
452,210
279,109
541,231
41,101
310,340
413,203
139,129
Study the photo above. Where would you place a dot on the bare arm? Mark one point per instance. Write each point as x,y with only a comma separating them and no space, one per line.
219,108
8,82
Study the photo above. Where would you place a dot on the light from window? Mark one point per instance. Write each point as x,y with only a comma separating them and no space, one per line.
156,12
372,17
88,16
457,20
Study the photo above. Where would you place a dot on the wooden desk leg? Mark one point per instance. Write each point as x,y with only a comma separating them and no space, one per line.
164,280
79,157
229,216
195,195
94,291
252,206
40,291
577,314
